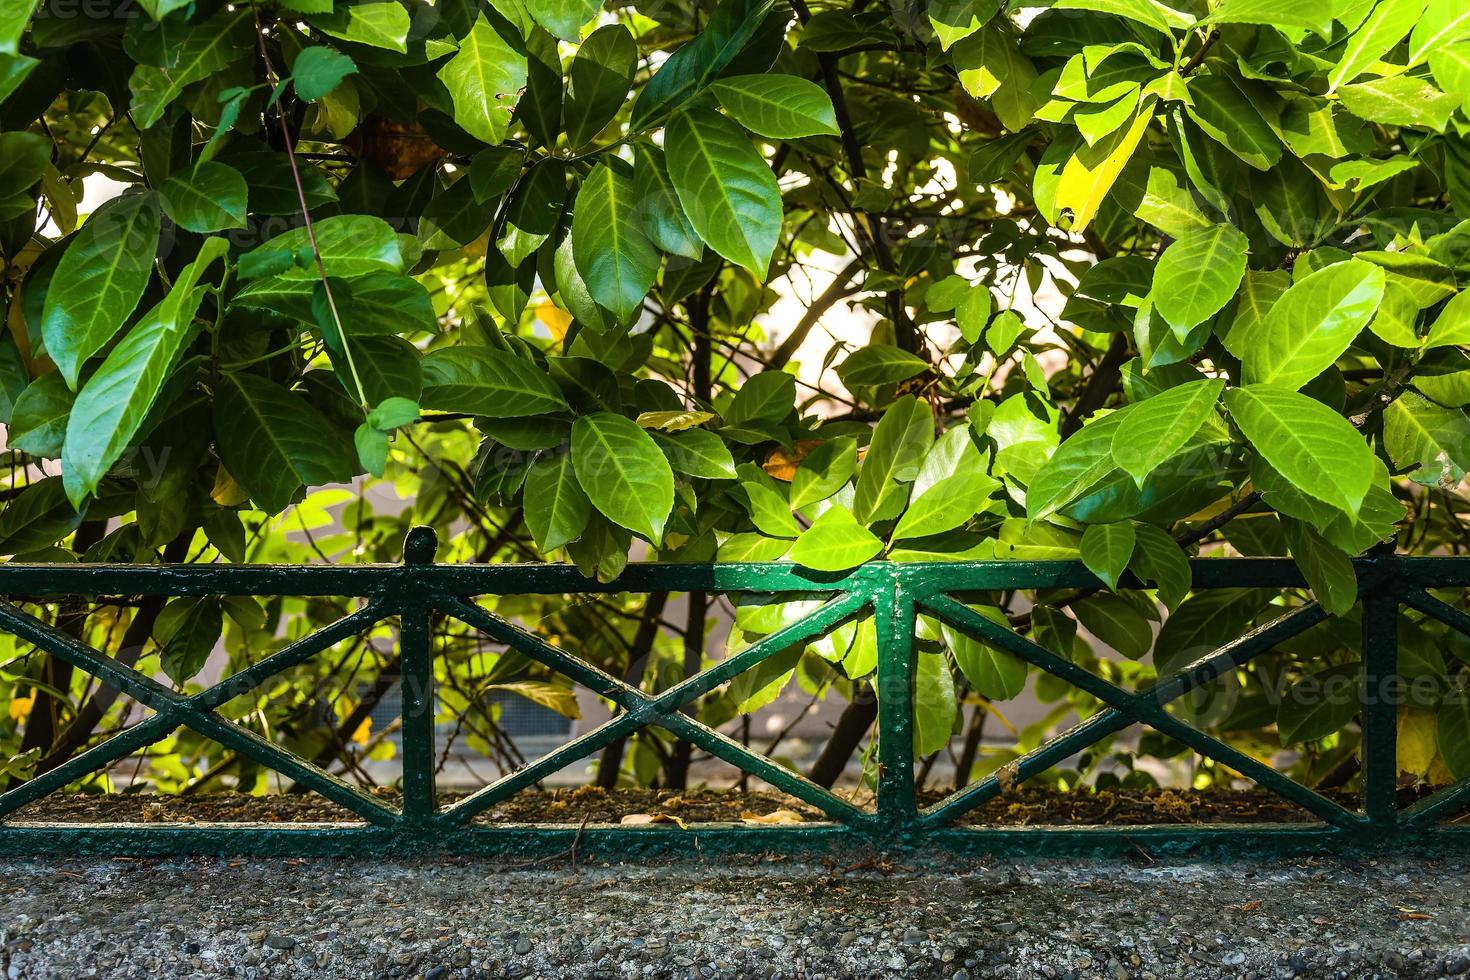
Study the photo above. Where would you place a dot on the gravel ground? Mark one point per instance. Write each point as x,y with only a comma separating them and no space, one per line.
752,918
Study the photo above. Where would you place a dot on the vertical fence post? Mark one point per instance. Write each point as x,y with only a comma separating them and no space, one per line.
1381,691
417,683
893,612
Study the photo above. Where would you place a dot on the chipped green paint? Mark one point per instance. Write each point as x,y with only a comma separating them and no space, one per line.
420,588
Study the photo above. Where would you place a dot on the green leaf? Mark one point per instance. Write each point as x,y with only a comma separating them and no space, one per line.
556,507
1197,275
1444,22
765,397
835,542
946,505
488,382
1385,27
484,79
210,197
38,421
1327,570
273,441
881,364
1452,726
13,19
726,188
111,406
1313,322
1107,549
993,673
780,107
697,453
1400,101
379,25
377,304
1157,558
104,270
1163,19
1319,704
205,49
350,245
624,473
1432,441
319,70
769,511
824,471
935,705
1118,621
663,216
1314,448
955,20
1157,429
689,69
597,83
188,630
900,440
1223,112
1079,464
37,518
564,18
613,254
1302,14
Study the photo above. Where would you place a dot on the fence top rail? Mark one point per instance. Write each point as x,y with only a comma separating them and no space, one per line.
924,578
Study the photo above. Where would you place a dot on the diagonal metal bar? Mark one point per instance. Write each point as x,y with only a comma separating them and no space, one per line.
154,695
640,710
145,732
1147,707
510,784
794,783
1447,802
1421,600
1070,742
291,655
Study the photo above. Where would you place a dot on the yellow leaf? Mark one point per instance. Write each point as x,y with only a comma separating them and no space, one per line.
673,421
1418,743
226,492
364,731
782,465
562,700
1088,176
781,816
648,819
21,707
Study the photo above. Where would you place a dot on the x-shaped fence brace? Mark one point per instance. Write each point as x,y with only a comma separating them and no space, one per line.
894,595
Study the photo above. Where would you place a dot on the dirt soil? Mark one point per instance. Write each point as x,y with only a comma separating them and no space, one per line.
1023,806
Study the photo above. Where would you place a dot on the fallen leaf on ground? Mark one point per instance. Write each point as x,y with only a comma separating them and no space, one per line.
781,816
646,819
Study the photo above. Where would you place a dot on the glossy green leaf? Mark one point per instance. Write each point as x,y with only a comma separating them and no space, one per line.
880,364
111,406
769,510
105,268
318,71
663,216
692,66
1107,549
623,472
697,453
376,24
272,440
1160,427
1319,704
556,507
1400,100
206,48
188,630
614,255
726,188
350,245
835,542
38,421
1313,322
564,18
900,440
935,706
597,82
1385,27
210,197
764,397
1314,448
824,471
484,79
777,106
946,505
1160,562
488,382
994,674
1197,276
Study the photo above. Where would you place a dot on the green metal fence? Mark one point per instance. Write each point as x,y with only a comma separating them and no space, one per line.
895,593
